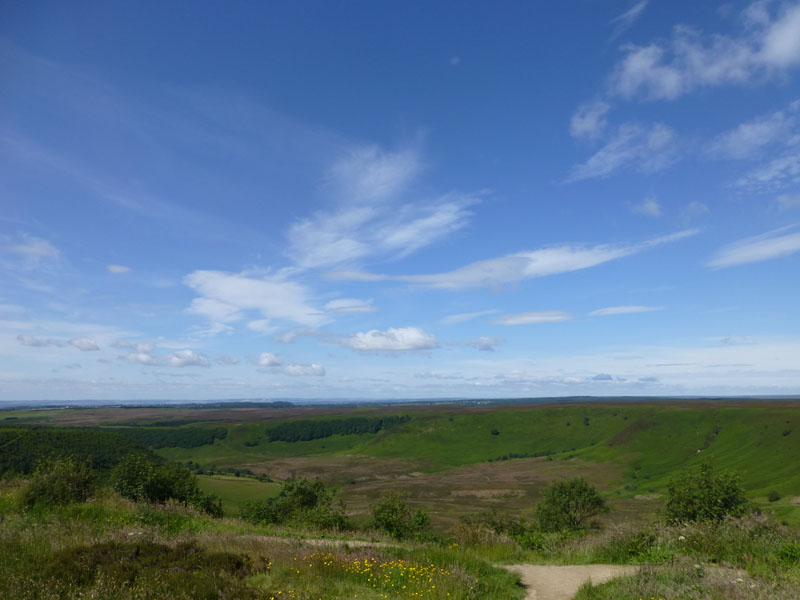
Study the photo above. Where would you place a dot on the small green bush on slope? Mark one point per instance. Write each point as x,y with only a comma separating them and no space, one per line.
138,479
704,495
391,515
58,482
301,503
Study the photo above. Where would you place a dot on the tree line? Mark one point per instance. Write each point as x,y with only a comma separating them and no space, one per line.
308,429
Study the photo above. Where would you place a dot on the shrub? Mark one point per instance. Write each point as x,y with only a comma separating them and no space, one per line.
58,482
773,496
137,479
704,495
300,502
569,505
391,515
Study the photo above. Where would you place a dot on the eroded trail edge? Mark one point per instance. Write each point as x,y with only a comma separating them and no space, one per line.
551,582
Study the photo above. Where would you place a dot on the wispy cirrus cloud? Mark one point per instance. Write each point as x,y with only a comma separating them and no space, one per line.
589,121
649,207
464,317
646,149
512,268
767,246
349,306
118,269
533,318
623,310
788,201
626,20
371,214
749,138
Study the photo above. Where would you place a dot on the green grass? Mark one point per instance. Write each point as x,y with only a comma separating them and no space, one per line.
236,491
647,444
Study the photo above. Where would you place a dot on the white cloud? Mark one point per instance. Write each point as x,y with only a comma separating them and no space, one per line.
216,311
778,172
140,358
755,249
35,249
485,343
28,253
463,317
394,339
787,202
648,207
224,359
533,318
118,269
623,310
689,60
225,297
695,209
356,232
84,344
267,359
301,370
34,342
369,214
368,174
647,149
512,268
347,306
589,121
261,326
626,20
289,336
747,139
187,358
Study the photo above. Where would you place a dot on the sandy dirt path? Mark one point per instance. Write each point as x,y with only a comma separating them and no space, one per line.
547,582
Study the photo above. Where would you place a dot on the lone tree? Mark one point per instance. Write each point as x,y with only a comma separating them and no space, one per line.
569,505
704,495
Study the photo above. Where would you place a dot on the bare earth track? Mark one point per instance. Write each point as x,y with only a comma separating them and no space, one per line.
548,582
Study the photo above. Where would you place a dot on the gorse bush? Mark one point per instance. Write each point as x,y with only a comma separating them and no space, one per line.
59,481
569,505
138,479
704,495
300,502
391,515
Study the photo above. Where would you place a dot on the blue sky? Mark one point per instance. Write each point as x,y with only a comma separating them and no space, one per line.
399,200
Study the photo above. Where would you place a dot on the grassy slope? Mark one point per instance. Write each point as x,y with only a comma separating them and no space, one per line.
235,491
650,442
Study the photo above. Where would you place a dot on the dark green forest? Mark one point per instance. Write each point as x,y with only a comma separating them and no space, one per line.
305,430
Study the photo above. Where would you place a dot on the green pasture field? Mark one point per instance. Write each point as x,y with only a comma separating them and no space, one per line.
235,491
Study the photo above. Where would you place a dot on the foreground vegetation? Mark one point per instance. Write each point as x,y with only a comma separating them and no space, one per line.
89,521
